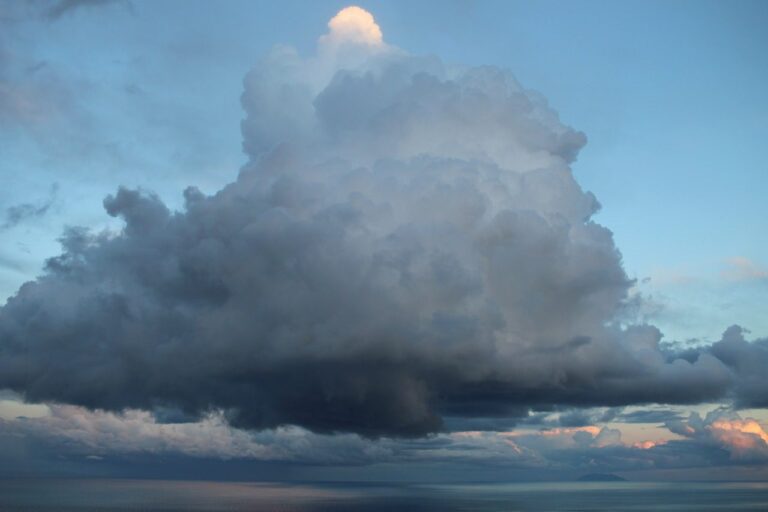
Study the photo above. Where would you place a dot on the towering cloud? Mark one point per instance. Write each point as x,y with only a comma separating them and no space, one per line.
406,243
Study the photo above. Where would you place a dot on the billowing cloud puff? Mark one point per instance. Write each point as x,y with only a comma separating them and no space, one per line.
354,25
748,360
744,440
406,243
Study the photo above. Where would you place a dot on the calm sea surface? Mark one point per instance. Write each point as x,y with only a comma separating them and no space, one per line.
145,495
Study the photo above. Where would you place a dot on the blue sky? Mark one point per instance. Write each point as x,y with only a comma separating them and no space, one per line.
670,96
98,98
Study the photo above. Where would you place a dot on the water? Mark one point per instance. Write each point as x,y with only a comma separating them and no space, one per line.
173,496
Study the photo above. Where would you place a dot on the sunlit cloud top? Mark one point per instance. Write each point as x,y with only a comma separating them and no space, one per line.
354,25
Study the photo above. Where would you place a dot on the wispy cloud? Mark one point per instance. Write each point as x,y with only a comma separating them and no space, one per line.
739,268
24,212
66,7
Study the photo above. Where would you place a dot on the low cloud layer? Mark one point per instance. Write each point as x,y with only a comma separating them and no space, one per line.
719,440
406,244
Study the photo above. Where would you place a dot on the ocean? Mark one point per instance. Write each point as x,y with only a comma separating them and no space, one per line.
174,496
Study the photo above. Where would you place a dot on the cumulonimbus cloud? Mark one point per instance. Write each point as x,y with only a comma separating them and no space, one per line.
407,242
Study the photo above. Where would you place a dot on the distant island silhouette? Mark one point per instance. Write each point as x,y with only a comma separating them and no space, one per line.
601,477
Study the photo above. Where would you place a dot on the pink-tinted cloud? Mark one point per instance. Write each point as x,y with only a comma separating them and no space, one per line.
743,439
740,268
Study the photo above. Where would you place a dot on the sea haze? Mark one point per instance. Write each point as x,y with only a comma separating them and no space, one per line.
155,496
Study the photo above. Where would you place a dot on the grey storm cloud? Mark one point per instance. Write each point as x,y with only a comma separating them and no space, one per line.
406,243
749,361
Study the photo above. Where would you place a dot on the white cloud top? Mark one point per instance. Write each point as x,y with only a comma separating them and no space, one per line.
356,25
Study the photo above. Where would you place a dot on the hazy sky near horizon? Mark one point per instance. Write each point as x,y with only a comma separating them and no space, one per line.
656,108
